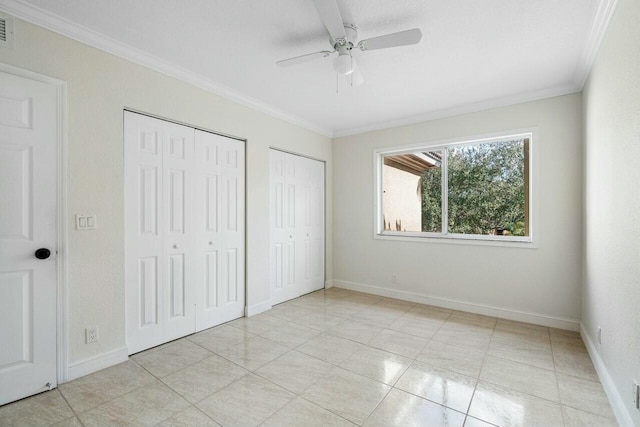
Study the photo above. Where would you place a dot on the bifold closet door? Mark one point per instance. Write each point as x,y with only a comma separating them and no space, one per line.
219,242
159,231
312,231
296,226
283,219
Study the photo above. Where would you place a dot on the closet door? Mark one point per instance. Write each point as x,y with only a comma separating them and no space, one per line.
179,230
297,226
313,226
219,241
304,233
283,220
158,231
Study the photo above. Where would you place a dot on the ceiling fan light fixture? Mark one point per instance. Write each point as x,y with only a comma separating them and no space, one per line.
343,64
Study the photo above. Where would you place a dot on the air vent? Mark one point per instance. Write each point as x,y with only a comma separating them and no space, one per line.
6,31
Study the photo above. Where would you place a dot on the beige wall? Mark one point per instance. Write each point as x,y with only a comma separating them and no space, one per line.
611,293
100,85
544,281
401,201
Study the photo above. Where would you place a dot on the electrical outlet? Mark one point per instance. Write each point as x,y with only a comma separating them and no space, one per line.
599,335
394,278
91,334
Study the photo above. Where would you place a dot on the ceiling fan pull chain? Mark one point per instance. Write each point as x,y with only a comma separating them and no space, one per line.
353,70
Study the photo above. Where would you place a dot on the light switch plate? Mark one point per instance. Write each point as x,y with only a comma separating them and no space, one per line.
86,222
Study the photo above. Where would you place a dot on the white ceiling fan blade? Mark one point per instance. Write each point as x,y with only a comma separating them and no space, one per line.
401,38
330,15
303,58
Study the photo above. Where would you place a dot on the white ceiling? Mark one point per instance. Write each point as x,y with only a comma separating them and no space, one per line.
473,54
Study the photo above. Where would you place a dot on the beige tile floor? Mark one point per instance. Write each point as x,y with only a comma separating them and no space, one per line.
339,358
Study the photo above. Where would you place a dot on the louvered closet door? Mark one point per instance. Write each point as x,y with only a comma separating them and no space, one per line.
219,242
159,231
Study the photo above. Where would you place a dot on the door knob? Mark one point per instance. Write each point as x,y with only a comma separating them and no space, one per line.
291,237
175,246
210,243
43,253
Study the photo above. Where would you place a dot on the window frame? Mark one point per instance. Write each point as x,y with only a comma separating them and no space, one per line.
446,237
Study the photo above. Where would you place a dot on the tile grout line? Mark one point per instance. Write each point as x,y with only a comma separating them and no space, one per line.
295,394
475,387
193,405
322,310
114,398
334,366
75,414
555,375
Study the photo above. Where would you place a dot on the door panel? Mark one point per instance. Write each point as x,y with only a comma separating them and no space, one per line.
179,230
219,219
211,279
233,236
17,295
185,230
317,231
232,270
158,231
282,224
296,226
28,207
176,285
211,203
149,291
149,191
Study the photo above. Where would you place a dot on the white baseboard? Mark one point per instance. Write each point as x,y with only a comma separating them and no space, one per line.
328,284
617,402
96,363
503,313
252,310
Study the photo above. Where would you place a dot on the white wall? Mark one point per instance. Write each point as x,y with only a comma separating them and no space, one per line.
611,294
100,85
544,281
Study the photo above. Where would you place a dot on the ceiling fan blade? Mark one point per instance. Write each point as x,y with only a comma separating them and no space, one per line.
303,58
401,38
331,17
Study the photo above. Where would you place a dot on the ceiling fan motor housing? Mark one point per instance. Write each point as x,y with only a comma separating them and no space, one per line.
343,63
352,33
346,44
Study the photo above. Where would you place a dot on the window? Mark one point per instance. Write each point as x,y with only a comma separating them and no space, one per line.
476,189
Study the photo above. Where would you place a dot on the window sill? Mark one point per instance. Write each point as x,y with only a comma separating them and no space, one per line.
470,240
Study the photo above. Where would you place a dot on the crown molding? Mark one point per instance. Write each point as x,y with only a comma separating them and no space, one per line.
599,25
57,24
464,109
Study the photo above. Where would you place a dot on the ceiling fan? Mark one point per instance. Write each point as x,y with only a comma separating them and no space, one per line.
344,40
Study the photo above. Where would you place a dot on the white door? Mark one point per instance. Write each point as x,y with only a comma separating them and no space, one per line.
283,219
314,228
28,194
159,230
296,226
219,219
